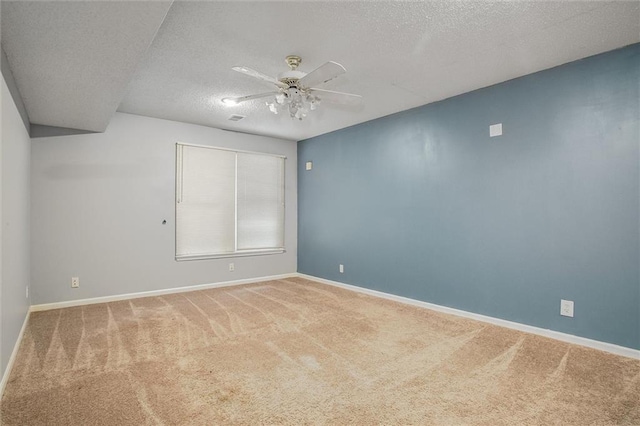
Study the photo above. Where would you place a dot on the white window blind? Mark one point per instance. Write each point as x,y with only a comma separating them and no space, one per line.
228,203
260,201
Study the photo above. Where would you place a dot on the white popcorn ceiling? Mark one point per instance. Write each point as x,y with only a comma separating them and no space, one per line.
72,60
398,55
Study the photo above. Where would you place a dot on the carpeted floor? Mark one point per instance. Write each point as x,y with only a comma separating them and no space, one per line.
298,352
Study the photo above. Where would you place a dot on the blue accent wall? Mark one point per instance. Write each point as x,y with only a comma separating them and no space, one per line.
424,204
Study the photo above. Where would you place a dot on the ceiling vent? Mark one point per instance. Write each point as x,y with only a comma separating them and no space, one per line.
236,117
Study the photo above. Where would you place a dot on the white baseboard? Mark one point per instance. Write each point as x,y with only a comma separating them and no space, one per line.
105,299
569,338
14,354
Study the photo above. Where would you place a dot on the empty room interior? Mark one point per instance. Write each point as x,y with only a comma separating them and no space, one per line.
358,212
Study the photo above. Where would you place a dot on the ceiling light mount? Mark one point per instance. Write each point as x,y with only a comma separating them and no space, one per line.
293,61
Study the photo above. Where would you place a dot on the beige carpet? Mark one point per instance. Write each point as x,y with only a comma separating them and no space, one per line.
299,352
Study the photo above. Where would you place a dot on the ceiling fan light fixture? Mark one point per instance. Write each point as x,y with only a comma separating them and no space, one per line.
313,101
272,107
298,102
300,114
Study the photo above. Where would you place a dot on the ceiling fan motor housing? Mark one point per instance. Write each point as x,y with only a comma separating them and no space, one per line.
291,77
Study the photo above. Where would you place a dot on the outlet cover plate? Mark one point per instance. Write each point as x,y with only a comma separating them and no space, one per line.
566,308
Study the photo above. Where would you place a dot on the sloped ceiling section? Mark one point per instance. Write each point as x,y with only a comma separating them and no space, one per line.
72,61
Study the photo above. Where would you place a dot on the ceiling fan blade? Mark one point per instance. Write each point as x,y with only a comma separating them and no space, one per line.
235,101
260,76
322,74
337,97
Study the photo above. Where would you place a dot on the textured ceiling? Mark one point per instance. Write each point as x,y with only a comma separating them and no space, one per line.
72,60
398,55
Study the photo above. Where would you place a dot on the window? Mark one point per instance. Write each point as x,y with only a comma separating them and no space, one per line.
228,203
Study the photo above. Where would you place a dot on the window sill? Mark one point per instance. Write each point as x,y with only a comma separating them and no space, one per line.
227,255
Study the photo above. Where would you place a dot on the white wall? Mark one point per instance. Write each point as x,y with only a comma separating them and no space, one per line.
98,202
14,233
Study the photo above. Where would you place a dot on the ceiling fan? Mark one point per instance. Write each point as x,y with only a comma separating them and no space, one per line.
296,92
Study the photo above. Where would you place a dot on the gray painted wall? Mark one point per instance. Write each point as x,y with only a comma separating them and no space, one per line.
14,233
425,205
98,202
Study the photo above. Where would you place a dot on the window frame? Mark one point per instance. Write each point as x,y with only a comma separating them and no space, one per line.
237,253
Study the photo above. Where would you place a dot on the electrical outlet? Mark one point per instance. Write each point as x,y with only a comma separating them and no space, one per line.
342,269
495,130
309,165
75,282
566,308
232,267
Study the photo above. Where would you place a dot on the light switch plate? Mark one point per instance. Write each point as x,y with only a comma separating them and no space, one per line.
309,165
